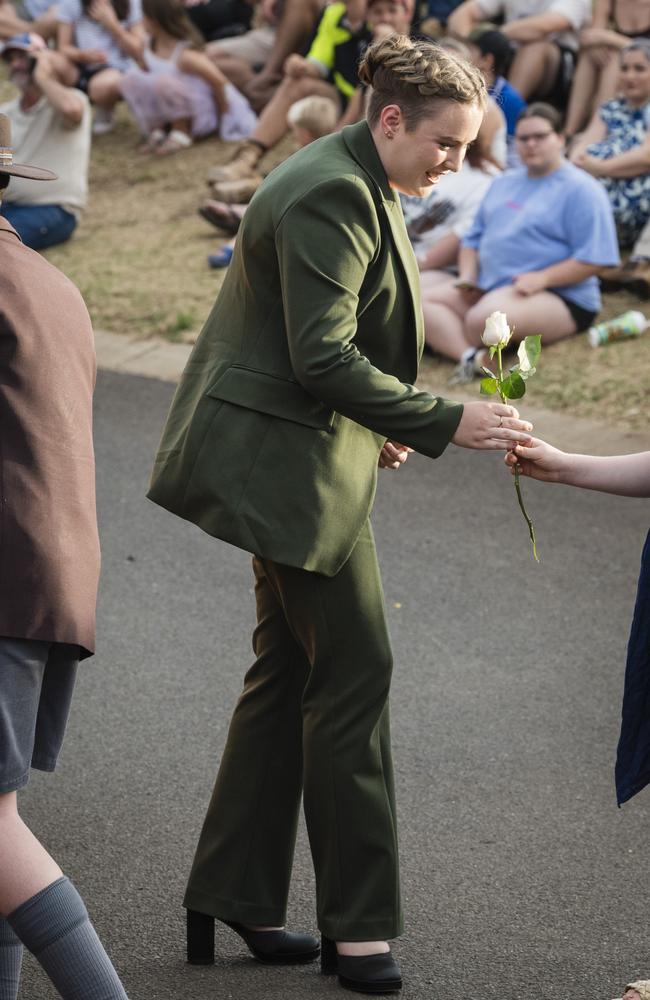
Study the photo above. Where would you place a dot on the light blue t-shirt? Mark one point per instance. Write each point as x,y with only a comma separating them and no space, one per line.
528,223
89,34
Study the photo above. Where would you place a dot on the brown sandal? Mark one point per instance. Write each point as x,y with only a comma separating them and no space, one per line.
220,215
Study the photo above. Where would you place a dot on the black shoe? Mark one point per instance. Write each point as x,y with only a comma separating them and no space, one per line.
270,947
362,973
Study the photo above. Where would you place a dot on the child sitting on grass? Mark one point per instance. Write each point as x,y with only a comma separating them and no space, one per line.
180,95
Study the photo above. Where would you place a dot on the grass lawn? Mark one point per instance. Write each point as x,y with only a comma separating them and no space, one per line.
139,258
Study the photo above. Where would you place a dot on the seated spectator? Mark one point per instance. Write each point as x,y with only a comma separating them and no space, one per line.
181,95
437,15
613,24
437,223
38,16
50,123
492,138
100,40
309,119
220,18
616,147
297,22
240,58
544,33
540,237
491,52
328,70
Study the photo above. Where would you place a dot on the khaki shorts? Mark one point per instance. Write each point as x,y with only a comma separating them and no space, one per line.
253,47
36,684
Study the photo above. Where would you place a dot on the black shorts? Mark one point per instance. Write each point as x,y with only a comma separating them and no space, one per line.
583,318
558,95
86,73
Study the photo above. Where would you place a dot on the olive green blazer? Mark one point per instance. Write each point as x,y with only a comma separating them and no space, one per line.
305,365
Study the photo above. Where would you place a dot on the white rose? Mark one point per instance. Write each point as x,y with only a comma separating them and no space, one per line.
524,362
497,333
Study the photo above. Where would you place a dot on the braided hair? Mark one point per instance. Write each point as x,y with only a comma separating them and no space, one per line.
412,74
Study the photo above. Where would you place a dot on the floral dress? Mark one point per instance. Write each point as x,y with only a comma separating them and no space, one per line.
629,196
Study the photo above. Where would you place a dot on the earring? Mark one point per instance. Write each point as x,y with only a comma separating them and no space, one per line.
389,135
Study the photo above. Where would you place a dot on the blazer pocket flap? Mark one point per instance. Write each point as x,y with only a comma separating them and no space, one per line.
279,397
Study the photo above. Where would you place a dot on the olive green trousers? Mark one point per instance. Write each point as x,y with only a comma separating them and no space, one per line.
313,717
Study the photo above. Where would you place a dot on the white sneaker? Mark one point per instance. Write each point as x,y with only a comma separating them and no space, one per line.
103,121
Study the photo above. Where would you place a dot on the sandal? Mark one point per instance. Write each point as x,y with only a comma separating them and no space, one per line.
173,142
221,215
222,258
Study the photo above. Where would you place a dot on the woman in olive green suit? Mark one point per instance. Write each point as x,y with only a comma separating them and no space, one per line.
300,384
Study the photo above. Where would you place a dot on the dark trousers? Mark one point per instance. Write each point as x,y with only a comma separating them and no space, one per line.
313,717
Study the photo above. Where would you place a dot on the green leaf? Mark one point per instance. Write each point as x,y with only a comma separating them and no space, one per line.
489,386
513,387
525,374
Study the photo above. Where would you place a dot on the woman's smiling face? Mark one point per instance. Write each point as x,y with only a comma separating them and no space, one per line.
415,160
635,76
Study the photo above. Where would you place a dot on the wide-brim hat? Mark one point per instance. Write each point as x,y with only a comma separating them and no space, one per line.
7,165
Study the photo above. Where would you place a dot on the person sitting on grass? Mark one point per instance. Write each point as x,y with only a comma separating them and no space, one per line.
309,119
38,16
100,40
181,95
491,52
544,33
51,124
615,149
613,25
541,235
329,70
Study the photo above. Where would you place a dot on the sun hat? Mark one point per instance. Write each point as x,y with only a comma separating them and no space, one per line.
7,165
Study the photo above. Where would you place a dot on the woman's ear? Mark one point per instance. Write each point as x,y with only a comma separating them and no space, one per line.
390,119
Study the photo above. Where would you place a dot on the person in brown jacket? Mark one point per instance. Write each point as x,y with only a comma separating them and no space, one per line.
49,570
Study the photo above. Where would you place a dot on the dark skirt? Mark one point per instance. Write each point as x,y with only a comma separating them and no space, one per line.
633,756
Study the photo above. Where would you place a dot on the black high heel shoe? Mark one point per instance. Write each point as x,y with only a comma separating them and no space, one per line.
363,973
270,947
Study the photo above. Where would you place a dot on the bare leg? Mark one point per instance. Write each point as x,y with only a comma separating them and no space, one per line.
25,865
10,23
543,313
104,89
238,71
272,125
609,81
444,308
581,100
298,22
534,68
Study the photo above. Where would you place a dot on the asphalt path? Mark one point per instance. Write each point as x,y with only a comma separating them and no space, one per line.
521,878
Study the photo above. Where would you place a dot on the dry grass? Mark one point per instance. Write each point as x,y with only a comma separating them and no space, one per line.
139,258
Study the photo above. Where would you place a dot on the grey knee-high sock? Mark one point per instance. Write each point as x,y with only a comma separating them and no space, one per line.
11,957
55,926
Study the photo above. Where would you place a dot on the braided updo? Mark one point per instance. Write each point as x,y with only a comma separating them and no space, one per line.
412,74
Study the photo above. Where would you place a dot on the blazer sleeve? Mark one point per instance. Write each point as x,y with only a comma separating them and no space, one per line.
325,243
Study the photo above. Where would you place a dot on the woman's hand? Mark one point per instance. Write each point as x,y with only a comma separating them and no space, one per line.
393,455
538,460
592,164
529,283
295,66
494,426
91,57
103,12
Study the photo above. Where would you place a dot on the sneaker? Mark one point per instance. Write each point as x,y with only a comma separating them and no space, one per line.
468,368
104,121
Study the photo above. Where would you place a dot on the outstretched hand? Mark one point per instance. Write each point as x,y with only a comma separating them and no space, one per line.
538,460
493,426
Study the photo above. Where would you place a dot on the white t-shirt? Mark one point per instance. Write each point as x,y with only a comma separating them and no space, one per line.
42,138
449,207
578,13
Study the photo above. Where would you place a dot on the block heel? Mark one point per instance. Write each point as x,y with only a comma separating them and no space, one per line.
200,938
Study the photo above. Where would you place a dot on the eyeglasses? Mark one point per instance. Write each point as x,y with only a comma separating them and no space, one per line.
533,136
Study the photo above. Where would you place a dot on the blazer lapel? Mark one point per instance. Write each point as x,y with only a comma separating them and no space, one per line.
360,143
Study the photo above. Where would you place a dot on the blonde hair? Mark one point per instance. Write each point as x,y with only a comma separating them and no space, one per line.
412,74
317,115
